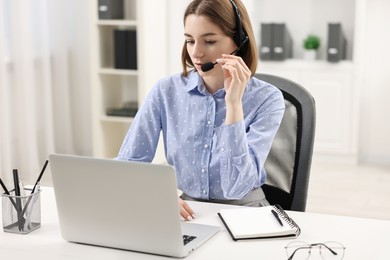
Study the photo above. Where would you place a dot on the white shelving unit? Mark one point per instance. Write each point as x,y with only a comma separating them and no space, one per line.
113,87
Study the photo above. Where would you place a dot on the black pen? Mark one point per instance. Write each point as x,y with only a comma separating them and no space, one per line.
7,192
4,187
16,182
18,200
277,217
40,176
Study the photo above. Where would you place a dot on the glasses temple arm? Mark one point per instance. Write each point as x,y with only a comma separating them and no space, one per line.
322,244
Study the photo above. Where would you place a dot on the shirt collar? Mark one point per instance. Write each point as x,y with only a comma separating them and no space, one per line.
195,82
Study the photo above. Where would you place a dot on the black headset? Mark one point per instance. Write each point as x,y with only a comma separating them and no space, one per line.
240,38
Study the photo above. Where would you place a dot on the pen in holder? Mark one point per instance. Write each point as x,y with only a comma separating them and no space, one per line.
21,214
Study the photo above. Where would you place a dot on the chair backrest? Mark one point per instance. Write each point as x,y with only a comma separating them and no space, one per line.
289,161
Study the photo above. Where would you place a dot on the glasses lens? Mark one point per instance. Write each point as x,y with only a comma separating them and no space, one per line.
298,250
336,252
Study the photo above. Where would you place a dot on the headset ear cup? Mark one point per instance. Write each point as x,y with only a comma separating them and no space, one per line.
243,47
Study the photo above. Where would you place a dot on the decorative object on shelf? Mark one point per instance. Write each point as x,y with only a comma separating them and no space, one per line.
311,44
337,43
110,9
129,109
276,42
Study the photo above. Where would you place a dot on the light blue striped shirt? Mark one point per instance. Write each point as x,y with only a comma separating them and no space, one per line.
212,160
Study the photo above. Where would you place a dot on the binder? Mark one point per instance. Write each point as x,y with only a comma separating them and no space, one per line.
282,42
266,41
276,42
125,49
110,9
258,223
337,43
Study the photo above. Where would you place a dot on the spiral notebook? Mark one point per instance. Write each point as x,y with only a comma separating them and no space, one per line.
261,222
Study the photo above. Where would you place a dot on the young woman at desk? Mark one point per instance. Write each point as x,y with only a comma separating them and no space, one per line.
218,122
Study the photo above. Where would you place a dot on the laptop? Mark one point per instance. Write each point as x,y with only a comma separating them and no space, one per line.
121,204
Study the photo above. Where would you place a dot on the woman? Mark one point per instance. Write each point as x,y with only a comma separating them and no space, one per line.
217,124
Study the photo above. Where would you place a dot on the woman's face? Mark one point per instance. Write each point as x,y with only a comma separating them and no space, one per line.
206,42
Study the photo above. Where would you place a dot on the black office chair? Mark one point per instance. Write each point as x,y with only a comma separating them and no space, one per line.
289,161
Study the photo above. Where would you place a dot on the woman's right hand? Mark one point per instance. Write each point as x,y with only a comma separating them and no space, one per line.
185,211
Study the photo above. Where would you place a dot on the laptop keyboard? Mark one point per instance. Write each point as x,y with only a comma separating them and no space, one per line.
187,239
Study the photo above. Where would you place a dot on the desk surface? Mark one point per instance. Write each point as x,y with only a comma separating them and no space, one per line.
363,238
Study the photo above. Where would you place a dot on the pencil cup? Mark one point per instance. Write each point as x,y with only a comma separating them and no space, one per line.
21,214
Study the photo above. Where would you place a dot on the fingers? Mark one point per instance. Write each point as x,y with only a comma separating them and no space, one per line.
237,75
185,211
236,67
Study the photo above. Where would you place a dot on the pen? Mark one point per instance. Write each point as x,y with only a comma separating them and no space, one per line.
16,182
18,200
21,188
28,208
22,193
40,176
4,187
277,217
7,192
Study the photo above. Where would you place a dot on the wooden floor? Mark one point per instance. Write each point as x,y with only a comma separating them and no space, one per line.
350,190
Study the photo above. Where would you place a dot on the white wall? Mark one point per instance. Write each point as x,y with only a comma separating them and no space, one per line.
374,140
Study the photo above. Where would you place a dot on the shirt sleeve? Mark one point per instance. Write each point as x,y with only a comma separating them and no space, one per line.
244,147
141,140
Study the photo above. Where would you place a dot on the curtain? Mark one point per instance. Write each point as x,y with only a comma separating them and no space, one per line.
40,84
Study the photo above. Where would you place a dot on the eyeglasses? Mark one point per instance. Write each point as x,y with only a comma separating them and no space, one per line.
301,250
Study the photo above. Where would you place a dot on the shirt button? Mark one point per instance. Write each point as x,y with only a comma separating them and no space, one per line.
203,170
204,192
209,122
206,145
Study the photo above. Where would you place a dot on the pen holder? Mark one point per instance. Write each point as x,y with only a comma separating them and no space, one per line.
21,214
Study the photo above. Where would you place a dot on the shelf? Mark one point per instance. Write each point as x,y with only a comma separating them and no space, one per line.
131,23
305,64
112,71
318,14
116,119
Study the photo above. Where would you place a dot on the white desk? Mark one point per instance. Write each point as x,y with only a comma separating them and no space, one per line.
364,238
